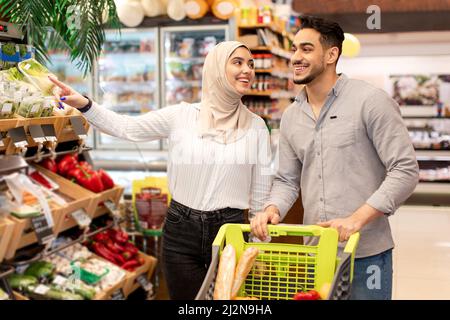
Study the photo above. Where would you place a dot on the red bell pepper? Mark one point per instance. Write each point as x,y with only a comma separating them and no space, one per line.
49,164
310,295
90,181
85,165
66,163
108,182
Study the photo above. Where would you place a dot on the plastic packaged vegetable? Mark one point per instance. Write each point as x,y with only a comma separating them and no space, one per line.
30,107
37,74
48,106
7,107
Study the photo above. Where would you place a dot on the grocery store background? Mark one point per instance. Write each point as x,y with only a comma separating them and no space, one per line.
402,47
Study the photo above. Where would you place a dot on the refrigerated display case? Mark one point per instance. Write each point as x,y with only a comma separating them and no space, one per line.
183,52
127,79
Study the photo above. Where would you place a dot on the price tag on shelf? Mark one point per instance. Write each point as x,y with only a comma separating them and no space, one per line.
49,132
145,284
6,108
18,137
41,289
114,211
43,232
60,281
37,133
82,218
118,295
78,127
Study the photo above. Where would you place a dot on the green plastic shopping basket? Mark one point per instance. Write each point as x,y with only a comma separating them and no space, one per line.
281,269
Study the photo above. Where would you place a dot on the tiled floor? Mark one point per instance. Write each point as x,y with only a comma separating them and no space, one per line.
422,253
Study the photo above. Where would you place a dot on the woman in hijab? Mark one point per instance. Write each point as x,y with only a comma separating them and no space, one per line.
218,164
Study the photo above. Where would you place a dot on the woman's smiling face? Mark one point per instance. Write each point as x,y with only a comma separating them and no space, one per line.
240,70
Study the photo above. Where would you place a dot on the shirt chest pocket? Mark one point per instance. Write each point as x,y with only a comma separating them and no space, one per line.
340,133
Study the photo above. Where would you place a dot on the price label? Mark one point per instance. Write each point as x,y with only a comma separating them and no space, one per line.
41,289
118,295
37,133
60,281
35,108
145,284
78,127
49,132
114,211
43,232
18,137
7,107
82,218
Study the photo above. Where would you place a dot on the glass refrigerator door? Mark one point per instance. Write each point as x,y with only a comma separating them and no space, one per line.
67,72
183,51
128,80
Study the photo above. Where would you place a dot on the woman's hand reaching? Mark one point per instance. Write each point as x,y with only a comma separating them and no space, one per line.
68,95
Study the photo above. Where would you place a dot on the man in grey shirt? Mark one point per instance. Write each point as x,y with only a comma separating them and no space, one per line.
344,144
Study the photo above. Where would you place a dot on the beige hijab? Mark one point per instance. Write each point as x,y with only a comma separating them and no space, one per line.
222,113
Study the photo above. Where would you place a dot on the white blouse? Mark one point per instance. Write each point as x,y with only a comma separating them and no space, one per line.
202,173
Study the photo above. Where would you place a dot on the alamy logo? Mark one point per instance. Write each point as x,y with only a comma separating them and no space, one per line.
374,20
374,280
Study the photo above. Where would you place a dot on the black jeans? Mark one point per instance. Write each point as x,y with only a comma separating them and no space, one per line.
187,239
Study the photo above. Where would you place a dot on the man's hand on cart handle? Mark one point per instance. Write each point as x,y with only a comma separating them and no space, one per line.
354,223
259,222
69,95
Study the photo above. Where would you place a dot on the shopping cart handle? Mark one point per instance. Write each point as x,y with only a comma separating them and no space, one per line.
352,243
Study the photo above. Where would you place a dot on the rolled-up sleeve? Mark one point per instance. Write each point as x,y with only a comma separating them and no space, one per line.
389,135
286,184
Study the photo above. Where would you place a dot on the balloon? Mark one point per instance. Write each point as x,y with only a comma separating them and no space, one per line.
175,10
130,12
196,9
223,9
350,46
152,8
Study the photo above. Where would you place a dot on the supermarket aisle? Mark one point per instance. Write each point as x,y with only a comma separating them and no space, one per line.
422,254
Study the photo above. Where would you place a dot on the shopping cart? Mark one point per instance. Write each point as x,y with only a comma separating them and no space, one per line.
281,269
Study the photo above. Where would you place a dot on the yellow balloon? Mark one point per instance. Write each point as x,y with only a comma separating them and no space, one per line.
350,46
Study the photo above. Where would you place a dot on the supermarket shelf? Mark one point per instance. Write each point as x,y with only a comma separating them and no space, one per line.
433,188
440,155
418,111
274,50
269,26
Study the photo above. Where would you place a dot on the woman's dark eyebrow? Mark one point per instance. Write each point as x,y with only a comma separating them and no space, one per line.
242,59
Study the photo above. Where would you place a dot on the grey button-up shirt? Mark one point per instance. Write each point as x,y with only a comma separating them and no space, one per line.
357,152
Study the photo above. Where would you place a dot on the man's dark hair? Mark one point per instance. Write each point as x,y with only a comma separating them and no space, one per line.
331,33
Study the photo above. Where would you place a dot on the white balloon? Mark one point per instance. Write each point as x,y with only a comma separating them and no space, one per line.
175,10
130,13
152,8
